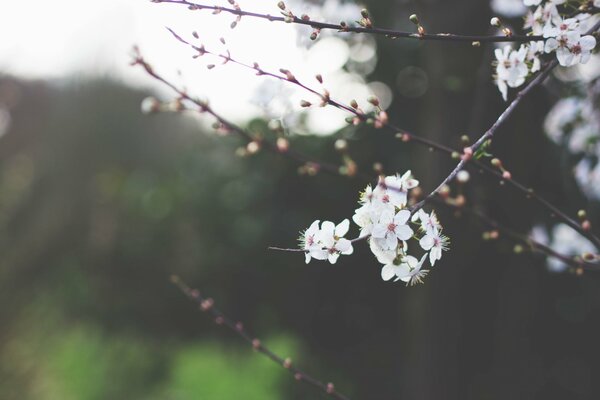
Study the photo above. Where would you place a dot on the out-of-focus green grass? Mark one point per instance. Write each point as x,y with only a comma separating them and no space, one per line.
52,360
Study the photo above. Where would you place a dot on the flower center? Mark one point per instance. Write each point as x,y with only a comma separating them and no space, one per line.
392,227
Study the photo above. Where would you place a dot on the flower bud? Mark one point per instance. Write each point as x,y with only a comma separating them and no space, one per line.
496,163
353,104
414,19
467,153
207,304
518,249
463,176
495,22
586,225
253,147
330,388
287,363
506,175
150,105
365,13
581,214
283,145
373,100
281,5
588,257
341,145
255,344
304,103
319,78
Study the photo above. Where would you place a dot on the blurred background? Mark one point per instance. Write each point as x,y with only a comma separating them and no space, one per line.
100,204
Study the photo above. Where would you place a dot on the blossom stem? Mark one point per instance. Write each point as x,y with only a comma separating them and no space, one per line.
447,37
489,134
525,239
528,192
207,305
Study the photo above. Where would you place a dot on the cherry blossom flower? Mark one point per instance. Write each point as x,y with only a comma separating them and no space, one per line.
326,243
508,8
571,48
390,228
408,270
435,243
540,18
311,243
333,240
511,69
394,189
384,221
429,222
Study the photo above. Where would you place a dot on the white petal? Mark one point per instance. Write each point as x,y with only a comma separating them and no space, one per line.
587,42
327,228
387,272
402,217
333,257
427,242
403,232
342,228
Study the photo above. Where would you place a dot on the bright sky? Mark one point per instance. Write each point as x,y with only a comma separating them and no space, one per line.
61,38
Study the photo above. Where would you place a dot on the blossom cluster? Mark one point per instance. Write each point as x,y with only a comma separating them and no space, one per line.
562,35
575,123
385,221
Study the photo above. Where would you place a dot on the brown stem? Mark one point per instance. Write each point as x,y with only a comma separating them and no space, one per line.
207,305
447,37
528,192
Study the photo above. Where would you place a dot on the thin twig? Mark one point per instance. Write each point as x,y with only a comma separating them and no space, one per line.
447,37
575,262
489,134
408,136
207,305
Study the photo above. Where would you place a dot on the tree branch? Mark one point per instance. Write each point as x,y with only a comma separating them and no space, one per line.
207,305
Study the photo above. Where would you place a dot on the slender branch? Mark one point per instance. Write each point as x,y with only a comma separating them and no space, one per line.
408,136
447,37
535,245
203,107
207,305
287,76
469,151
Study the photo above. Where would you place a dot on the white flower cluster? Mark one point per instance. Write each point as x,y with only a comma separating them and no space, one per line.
384,220
575,123
565,241
563,36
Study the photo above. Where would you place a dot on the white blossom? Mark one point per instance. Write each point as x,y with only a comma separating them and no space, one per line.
391,228
435,243
328,242
429,222
511,69
407,270
571,48
394,189
508,8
